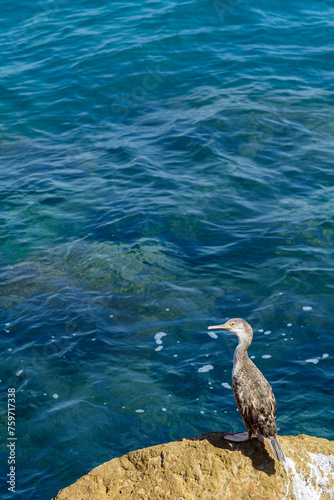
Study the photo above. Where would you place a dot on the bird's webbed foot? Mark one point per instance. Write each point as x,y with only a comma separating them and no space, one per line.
238,437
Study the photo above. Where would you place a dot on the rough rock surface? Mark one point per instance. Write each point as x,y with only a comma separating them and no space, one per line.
208,467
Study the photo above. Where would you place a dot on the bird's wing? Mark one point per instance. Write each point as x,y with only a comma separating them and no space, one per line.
256,403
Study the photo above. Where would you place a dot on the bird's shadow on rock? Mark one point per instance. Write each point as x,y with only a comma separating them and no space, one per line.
253,449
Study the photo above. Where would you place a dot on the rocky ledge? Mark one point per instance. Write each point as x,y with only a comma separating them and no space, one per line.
208,467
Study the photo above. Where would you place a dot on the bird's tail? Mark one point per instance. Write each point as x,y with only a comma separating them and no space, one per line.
276,449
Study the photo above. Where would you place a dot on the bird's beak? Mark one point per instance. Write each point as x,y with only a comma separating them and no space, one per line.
225,326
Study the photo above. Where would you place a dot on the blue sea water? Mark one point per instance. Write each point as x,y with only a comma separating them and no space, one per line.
164,166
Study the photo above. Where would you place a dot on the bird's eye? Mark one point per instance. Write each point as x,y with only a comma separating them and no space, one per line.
232,324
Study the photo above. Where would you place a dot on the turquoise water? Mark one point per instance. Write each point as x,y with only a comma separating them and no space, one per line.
164,167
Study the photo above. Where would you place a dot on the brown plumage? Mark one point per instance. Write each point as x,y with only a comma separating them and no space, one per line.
253,394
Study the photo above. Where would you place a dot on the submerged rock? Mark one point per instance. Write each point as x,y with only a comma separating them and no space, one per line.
207,467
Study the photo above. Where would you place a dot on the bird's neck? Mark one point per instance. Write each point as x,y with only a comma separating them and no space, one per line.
240,356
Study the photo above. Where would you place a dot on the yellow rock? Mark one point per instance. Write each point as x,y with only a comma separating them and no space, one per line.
208,467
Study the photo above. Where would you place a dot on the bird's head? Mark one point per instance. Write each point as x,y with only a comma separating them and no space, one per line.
239,326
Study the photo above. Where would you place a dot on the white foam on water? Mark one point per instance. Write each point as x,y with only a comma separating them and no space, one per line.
252,357
267,332
213,335
266,356
324,356
7,324
55,396
158,336
289,324
140,410
19,373
260,331
163,409
159,348
316,482
307,308
323,469
313,360
205,368
226,385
